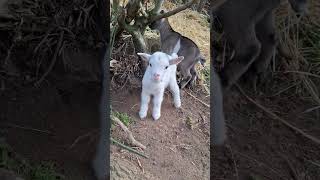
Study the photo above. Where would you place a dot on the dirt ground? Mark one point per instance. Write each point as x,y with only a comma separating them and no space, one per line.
177,144
260,147
43,125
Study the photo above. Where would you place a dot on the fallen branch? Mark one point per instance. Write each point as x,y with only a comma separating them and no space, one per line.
274,116
128,148
125,129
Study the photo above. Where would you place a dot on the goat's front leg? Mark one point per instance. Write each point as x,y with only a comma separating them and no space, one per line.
157,101
175,93
267,36
145,98
247,49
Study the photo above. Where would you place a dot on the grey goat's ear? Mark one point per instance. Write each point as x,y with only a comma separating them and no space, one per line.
176,60
144,56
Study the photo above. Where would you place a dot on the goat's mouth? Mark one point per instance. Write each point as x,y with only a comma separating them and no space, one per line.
157,80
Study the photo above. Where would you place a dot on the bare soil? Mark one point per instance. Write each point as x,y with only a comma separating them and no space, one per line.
177,144
43,124
260,147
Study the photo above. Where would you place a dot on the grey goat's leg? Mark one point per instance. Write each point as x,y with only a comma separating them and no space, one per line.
267,36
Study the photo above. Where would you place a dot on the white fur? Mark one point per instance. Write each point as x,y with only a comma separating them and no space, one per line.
159,61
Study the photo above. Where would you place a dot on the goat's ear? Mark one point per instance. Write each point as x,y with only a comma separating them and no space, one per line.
144,56
176,60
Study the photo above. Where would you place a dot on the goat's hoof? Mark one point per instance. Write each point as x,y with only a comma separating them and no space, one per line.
142,115
177,104
156,117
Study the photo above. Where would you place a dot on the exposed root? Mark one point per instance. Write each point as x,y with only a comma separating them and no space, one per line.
125,129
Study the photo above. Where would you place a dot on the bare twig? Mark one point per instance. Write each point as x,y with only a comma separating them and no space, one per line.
139,163
314,163
9,51
292,169
16,38
128,148
234,161
143,12
28,128
54,59
207,105
274,116
125,129
304,73
311,109
260,163
285,89
43,40
80,138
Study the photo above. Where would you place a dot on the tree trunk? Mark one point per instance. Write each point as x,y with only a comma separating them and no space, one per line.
140,45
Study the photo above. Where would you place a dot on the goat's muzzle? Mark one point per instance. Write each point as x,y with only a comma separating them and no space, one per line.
156,77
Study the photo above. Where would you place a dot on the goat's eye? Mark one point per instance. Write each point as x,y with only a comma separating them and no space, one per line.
167,67
150,65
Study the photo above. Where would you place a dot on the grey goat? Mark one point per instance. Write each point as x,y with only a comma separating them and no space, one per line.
172,41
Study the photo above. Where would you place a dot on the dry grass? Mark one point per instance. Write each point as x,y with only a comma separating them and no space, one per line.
301,38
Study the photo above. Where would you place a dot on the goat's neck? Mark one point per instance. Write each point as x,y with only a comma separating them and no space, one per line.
165,30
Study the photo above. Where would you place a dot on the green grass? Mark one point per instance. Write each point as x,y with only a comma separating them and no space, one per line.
42,171
124,118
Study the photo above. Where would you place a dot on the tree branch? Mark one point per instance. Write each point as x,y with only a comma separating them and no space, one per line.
143,12
157,7
173,12
122,21
132,8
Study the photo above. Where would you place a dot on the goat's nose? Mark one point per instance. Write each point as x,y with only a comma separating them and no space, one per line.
156,76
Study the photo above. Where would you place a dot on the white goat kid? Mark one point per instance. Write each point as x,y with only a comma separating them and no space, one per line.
160,73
